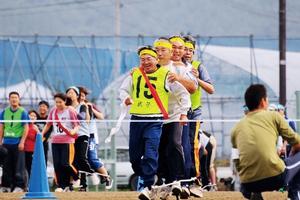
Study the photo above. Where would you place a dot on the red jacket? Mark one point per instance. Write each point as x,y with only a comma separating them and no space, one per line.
30,139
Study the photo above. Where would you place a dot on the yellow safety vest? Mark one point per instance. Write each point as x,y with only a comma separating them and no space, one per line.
196,96
143,101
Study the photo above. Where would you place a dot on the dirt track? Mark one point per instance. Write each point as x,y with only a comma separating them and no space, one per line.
133,196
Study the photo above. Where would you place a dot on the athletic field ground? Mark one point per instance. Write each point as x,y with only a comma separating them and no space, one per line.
133,196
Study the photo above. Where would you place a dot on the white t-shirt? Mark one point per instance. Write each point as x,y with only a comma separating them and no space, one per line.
184,71
58,135
84,127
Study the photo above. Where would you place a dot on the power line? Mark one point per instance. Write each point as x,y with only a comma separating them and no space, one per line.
243,7
94,7
52,10
65,3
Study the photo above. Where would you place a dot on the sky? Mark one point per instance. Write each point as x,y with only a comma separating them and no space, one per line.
147,17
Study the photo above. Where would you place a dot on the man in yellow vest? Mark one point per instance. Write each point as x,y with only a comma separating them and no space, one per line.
171,151
205,83
144,137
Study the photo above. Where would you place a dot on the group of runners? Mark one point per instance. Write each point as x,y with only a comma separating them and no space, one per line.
167,85
72,130
166,151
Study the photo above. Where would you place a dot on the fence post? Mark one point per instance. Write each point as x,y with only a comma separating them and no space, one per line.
113,141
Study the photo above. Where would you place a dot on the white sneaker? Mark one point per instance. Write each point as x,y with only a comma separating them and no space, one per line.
58,190
109,183
5,189
67,189
213,188
176,189
18,189
196,191
145,194
164,193
76,184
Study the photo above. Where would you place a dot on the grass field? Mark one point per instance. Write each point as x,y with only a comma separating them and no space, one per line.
133,196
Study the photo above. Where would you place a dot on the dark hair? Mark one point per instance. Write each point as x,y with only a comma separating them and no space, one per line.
43,102
253,96
13,92
189,38
64,97
176,36
61,96
163,38
83,90
33,111
149,47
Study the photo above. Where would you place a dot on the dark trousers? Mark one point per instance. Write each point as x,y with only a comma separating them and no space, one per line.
143,148
46,148
205,165
267,184
195,152
81,159
13,167
171,157
290,178
187,152
194,140
63,155
81,149
28,161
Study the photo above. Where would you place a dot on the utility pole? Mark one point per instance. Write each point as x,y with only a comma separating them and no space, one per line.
282,52
117,57
115,75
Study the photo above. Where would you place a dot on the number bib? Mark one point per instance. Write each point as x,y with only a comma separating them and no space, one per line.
143,101
65,115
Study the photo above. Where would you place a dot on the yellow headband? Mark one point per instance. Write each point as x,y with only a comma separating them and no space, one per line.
177,39
189,45
161,43
149,52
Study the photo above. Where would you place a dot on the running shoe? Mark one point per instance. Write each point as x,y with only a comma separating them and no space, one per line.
18,189
5,189
146,194
185,192
176,188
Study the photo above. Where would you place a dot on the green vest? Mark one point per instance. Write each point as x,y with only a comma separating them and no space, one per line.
143,101
13,129
196,96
